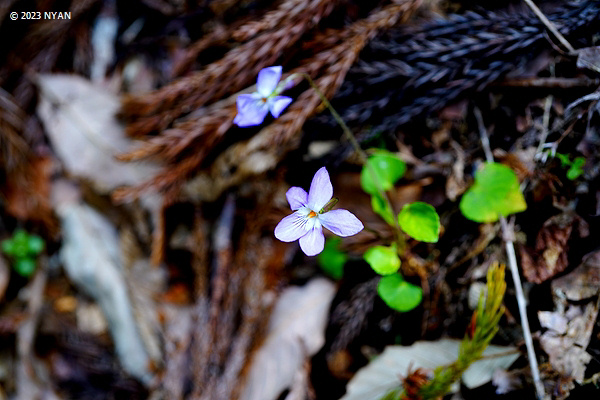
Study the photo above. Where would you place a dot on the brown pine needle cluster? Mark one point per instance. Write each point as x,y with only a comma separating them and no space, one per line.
184,141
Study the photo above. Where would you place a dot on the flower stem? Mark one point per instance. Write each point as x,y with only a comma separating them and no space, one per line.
363,156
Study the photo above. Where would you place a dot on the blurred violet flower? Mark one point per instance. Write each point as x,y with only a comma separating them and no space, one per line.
253,108
312,212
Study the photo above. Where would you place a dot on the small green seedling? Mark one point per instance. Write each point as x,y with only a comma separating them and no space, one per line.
495,193
575,167
23,248
418,220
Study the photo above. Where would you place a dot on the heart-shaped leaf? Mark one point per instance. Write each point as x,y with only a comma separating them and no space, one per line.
386,167
384,260
399,294
495,193
420,221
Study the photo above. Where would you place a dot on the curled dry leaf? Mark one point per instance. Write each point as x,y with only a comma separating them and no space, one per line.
296,332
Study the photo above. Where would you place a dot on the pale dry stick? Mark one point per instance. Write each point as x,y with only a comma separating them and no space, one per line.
508,236
550,26
545,125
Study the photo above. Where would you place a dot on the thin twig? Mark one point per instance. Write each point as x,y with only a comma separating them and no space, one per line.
485,142
545,124
550,26
508,236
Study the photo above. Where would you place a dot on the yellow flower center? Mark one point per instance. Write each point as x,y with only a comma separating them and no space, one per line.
312,214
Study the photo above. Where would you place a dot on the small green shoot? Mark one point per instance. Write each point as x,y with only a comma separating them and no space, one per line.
483,329
383,259
420,221
495,193
399,294
332,259
23,248
575,167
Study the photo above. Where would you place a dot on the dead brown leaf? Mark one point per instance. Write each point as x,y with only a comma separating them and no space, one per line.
549,257
583,282
27,192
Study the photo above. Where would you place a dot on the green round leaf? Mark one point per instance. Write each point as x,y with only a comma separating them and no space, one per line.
8,247
387,168
420,221
332,260
574,173
20,235
399,294
25,266
384,260
495,192
35,245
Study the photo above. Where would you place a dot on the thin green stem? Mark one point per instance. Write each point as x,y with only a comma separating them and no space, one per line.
362,154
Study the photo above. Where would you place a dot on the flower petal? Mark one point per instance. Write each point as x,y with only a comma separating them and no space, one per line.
291,228
313,242
341,222
251,111
267,81
297,197
320,191
277,104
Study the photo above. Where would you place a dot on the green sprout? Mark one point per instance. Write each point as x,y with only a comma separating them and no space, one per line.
23,248
418,220
575,167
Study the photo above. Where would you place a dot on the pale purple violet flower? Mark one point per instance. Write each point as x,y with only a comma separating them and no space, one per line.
310,215
253,108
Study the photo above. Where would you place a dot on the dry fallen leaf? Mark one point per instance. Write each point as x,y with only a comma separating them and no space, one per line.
386,371
583,282
27,190
296,331
567,350
550,255
80,120
570,327
92,260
